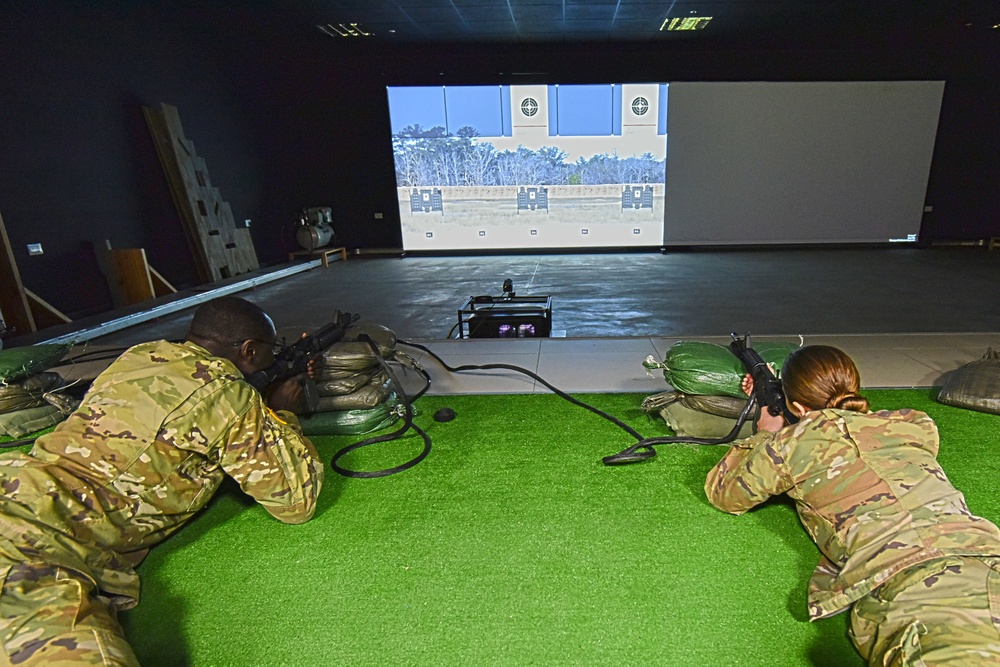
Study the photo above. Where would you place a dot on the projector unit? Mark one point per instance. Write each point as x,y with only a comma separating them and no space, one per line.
506,317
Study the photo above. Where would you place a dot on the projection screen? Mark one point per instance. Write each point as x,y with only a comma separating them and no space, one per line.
797,163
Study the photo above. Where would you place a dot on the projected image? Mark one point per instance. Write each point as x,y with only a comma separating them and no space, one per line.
488,167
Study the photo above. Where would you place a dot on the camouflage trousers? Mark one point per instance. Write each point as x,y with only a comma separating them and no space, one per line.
56,617
942,612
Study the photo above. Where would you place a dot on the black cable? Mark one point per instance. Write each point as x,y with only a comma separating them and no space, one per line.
407,424
614,420
17,443
641,450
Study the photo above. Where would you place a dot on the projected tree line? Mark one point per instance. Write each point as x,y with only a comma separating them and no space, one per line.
431,157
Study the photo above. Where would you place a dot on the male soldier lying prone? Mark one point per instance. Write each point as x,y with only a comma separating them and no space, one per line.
147,448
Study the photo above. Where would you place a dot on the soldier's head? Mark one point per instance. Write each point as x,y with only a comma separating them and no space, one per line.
235,329
820,376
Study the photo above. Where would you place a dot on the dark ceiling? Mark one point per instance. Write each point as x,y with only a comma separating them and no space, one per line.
640,20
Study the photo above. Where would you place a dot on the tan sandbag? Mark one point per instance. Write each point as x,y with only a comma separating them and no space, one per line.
722,406
29,392
24,422
368,396
352,354
383,337
324,374
683,420
975,386
349,384
63,402
698,416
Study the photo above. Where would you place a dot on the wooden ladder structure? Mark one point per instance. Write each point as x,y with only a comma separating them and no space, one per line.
220,248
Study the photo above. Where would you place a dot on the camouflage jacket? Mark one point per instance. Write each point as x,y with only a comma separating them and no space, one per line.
869,491
147,448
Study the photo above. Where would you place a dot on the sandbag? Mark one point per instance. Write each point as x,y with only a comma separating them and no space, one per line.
29,392
352,354
699,416
17,363
326,374
347,384
366,397
722,406
975,386
709,369
353,422
24,422
683,420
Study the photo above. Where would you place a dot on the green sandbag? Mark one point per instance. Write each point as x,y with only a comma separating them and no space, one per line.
17,363
22,422
709,369
975,386
353,422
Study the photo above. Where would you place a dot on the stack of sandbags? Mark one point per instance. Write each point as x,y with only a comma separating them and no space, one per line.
707,396
30,397
355,392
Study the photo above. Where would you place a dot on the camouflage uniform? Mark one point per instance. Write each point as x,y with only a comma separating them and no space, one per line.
898,541
147,448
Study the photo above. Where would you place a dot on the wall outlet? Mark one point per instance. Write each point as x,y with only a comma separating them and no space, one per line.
246,223
928,209
378,216
34,248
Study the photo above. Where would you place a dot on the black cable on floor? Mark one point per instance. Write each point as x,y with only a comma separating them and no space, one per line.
641,450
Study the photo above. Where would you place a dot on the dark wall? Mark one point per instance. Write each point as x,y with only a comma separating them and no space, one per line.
287,118
78,163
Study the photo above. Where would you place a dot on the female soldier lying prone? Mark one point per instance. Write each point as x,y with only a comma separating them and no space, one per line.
920,572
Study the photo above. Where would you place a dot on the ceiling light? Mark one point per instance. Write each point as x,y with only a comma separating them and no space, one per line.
689,23
344,30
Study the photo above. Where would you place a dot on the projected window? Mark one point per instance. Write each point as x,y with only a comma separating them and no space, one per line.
529,166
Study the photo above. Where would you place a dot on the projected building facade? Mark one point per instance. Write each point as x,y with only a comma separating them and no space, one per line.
535,166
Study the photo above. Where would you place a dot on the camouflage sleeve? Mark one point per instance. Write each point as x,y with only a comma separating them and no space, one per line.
749,473
273,462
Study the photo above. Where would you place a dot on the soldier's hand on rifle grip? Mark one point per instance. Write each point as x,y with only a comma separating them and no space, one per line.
766,421
287,395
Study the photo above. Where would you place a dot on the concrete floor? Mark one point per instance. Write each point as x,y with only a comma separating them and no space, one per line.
906,315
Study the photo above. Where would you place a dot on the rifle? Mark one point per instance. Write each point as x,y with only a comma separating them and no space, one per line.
294,359
767,391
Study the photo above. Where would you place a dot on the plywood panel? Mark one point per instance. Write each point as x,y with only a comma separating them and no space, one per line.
220,251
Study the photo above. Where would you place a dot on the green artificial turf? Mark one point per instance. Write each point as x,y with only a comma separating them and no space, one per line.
512,544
